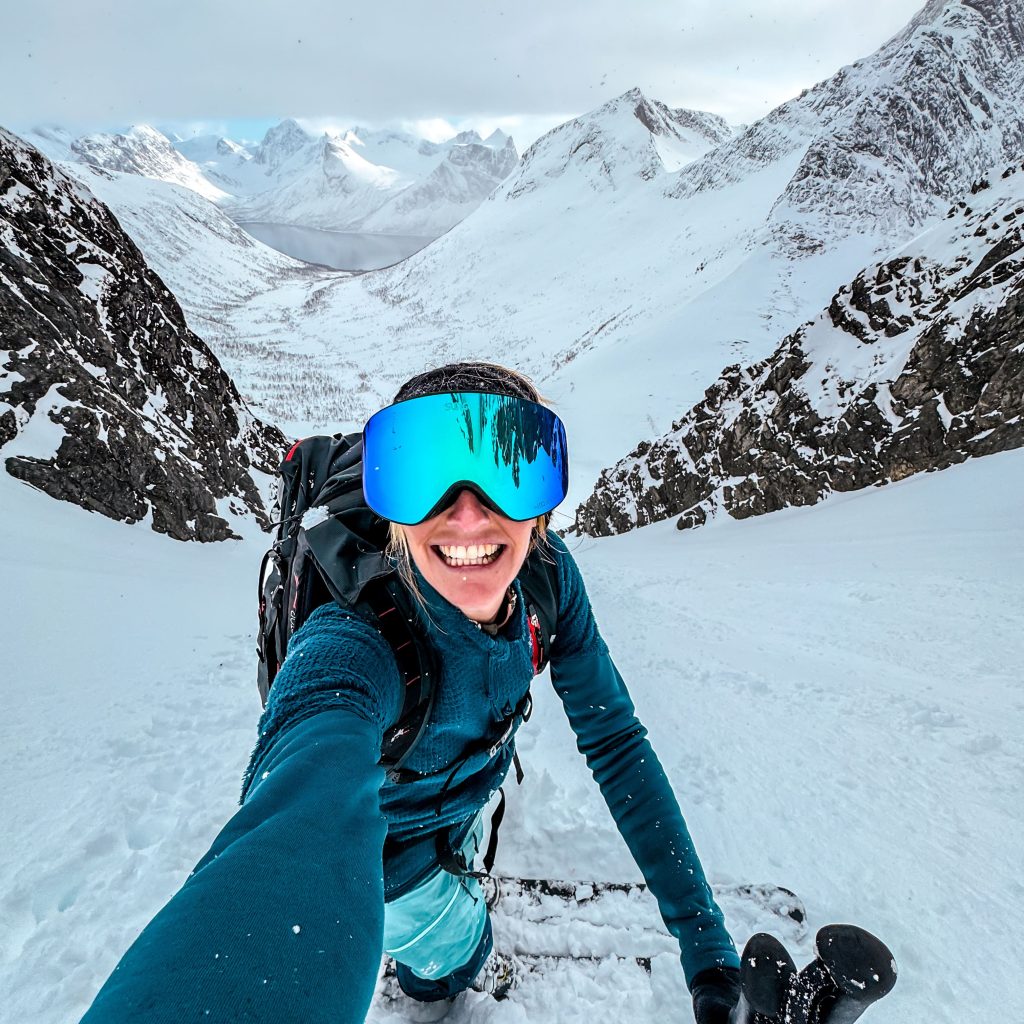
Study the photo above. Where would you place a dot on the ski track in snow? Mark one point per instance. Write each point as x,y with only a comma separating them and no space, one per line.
835,692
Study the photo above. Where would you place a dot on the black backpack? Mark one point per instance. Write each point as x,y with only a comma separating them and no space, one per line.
329,546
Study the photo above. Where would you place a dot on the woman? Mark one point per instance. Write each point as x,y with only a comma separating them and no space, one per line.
322,868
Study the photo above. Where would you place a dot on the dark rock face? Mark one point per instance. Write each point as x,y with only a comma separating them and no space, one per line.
917,365
107,399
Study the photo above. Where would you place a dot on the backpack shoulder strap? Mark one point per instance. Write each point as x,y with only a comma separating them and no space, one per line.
390,606
539,579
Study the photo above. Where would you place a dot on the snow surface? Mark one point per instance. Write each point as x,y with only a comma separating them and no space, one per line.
835,692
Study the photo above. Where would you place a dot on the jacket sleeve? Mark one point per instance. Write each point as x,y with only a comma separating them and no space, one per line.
283,918
632,780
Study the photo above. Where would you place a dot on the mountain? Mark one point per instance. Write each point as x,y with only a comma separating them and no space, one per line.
453,190
621,280
281,143
882,146
373,181
221,160
334,188
361,179
144,151
109,401
916,365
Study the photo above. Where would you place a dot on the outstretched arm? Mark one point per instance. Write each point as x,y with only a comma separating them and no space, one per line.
644,807
631,778
283,917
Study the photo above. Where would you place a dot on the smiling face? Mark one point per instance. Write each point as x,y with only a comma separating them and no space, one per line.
470,555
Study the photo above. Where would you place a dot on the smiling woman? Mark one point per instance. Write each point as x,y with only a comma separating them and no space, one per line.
471,534
331,861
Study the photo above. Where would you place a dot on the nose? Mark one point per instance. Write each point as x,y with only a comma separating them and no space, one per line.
467,511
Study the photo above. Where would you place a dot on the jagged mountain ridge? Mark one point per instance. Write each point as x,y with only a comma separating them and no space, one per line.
449,194
336,182
917,365
108,400
630,136
144,151
357,180
886,143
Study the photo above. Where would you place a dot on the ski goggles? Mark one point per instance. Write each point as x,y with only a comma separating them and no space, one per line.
419,454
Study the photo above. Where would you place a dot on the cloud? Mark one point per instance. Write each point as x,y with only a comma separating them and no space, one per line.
118,61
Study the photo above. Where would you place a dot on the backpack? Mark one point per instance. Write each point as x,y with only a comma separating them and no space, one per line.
329,546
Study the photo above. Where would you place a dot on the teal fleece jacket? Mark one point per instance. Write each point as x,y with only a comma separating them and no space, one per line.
283,918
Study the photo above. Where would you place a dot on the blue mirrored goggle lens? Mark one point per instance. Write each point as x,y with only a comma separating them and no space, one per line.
512,450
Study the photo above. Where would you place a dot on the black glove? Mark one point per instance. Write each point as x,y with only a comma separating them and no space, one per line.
715,992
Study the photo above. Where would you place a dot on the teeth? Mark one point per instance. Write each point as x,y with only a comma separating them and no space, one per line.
473,554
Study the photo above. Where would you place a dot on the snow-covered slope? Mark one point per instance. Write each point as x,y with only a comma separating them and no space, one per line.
454,189
144,151
916,365
834,692
883,145
223,161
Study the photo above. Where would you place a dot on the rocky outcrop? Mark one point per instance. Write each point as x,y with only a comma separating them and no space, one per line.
915,366
107,399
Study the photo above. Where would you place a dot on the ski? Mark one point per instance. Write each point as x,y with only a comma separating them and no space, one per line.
541,900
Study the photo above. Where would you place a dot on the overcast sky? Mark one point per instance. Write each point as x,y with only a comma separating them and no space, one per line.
440,64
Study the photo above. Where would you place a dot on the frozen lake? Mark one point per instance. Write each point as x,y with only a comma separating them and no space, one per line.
342,250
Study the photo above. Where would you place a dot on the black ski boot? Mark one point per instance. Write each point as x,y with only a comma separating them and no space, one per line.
766,973
852,970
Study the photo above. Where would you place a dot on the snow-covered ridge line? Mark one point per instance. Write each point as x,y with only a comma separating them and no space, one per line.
883,144
107,399
917,365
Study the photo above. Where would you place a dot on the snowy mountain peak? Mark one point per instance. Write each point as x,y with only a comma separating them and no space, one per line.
467,138
281,143
144,151
226,147
629,138
881,146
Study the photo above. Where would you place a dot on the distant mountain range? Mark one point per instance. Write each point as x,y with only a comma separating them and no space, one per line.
363,180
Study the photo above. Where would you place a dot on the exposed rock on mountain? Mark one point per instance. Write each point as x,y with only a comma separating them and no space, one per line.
629,136
107,399
281,143
915,366
884,145
146,152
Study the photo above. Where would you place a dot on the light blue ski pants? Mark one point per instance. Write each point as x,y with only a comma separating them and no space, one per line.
437,927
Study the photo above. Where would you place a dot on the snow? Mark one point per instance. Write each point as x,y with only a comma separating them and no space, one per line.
835,693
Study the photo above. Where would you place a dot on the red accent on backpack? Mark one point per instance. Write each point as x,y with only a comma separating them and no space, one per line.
534,624
291,451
